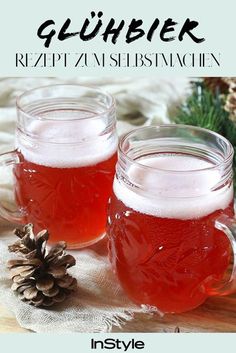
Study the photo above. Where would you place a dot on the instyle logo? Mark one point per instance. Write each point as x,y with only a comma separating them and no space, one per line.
111,343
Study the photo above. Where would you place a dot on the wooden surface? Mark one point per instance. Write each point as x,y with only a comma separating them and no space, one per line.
216,315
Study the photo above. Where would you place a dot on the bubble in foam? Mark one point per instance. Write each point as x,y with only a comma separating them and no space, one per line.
174,195
56,143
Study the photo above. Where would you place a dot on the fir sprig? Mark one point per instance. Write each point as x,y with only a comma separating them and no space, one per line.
205,109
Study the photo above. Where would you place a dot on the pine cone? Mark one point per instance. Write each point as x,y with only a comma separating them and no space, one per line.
215,84
230,105
40,277
230,81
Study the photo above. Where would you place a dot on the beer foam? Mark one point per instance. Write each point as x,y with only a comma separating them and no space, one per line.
55,144
174,195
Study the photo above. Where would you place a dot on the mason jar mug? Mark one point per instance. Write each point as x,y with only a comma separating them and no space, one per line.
64,162
171,220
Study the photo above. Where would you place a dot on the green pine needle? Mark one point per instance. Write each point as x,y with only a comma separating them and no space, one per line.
206,109
203,109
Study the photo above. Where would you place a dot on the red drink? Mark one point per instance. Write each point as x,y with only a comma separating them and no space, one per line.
64,186
70,202
164,244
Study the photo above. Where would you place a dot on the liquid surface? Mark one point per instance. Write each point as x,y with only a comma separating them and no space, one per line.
163,190
67,144
167,252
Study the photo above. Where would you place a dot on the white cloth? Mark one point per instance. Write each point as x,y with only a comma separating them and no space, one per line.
99,301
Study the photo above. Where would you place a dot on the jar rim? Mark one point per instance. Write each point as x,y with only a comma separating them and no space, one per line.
95,115
225,161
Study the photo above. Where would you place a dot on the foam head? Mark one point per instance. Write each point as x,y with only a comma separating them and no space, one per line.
67,143
174,195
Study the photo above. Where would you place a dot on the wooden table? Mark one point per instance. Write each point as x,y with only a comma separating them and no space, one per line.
216,315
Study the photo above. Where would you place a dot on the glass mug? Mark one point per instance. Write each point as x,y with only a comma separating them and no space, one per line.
170,221
64,162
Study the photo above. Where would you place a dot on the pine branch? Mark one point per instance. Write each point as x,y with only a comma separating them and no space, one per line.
203,109
206,109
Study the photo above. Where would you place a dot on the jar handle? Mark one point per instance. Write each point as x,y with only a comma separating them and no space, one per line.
7,159
228,226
